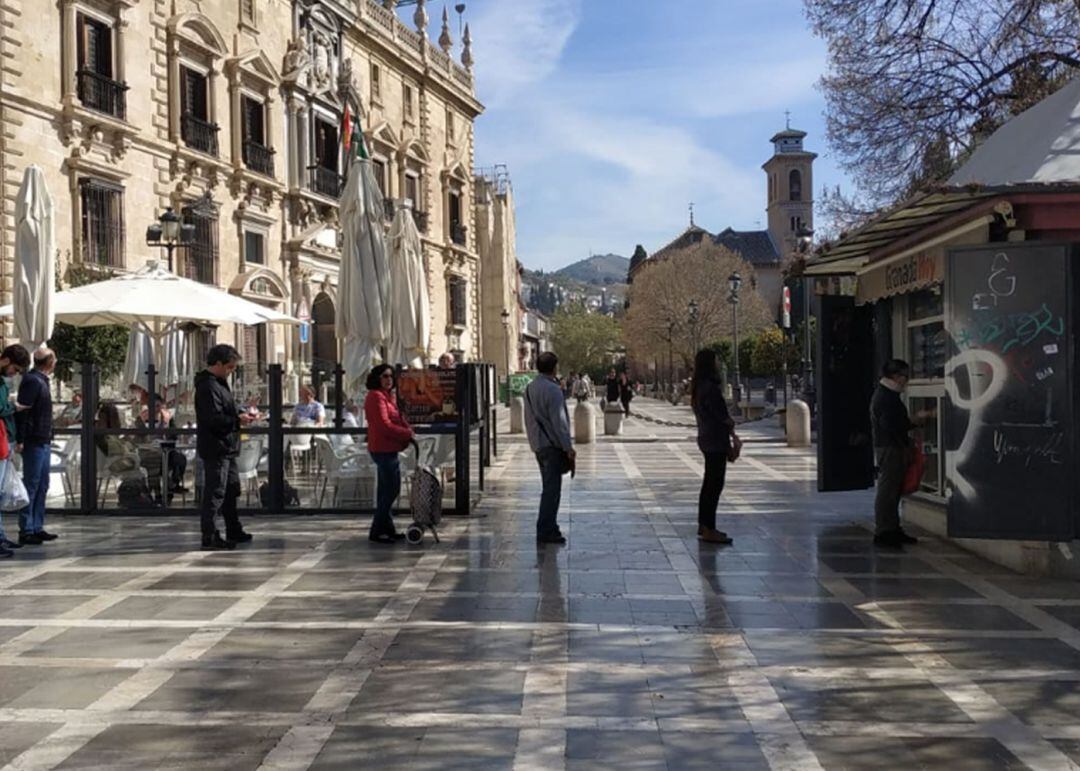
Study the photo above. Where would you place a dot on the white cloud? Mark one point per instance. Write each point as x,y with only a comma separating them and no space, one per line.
520,42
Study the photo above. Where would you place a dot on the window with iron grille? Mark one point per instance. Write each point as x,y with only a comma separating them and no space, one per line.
407,98
95,75
449,126
247,11
201,340
458,293
102,207
201,257
376,83
196,129
253,248
257,155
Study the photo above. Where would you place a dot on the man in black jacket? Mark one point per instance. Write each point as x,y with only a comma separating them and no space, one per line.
891,427
34,428
218,445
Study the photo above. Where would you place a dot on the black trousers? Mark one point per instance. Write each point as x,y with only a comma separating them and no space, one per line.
711,487
221,488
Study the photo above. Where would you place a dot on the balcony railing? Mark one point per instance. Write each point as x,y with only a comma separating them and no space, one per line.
102,93
458,233
326,181
199,134
388,209
259,158
421,220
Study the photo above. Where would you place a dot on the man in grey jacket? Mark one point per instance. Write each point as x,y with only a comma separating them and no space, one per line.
547,424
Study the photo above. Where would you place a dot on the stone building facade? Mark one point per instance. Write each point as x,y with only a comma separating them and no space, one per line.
231,112
500,279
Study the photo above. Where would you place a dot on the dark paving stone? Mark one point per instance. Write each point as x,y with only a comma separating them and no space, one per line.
77,579
341,609
871,753
337,581
30,687
460,645
388,690
825,650
606,647
587,749
196,579
1038,702
884,588
417,749
1005,653
236,689
865,701
31,606
705,751
203,747
134,643
285,645
16,738
168,608
960,617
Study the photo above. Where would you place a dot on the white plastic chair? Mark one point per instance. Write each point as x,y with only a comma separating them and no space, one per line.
299,449
339,467
247,465
64,460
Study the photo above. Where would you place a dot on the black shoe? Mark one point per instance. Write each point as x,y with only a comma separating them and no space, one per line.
216,543
386,537
5,543
240,537
6,553
178,489
908,539
30,539
558,538
889,540
44,536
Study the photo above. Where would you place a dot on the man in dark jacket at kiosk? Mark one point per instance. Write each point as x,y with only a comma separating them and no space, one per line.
891,427
218,441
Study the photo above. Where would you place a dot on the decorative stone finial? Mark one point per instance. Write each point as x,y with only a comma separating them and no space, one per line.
445,41
420,19
389,4
466,51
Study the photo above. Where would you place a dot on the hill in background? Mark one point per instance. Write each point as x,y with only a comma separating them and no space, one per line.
598,270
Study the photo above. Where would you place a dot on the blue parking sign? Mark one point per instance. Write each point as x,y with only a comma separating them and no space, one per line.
305,332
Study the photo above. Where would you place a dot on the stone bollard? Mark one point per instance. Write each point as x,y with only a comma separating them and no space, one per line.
798,424
613,417
517,415
584,423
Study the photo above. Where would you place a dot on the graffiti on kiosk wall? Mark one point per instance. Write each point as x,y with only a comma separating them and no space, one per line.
1006,359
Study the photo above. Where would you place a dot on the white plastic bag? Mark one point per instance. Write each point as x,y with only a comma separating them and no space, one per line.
13,495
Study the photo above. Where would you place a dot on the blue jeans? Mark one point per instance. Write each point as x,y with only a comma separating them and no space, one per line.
36,462
551,466
389,486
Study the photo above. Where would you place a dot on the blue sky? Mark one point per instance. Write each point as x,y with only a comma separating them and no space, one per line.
612,115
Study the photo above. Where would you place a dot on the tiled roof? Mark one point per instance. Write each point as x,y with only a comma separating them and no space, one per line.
754,246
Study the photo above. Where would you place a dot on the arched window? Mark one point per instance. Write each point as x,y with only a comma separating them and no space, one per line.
795,185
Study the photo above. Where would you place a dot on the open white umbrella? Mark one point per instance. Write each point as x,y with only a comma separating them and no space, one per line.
156,301
364,278
410,325
35,264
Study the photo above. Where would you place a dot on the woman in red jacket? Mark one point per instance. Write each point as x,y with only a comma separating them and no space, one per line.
388,433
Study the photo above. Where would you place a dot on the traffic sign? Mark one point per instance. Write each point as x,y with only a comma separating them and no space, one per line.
305,333
787,307
302,312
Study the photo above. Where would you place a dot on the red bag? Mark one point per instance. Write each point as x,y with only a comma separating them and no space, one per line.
5,446
915,468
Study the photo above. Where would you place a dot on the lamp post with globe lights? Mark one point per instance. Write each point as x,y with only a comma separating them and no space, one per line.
734,284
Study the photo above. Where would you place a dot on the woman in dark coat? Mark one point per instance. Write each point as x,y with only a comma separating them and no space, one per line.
715,436
626,393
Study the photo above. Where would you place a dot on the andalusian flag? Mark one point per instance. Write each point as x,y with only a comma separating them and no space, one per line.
346,130
352,138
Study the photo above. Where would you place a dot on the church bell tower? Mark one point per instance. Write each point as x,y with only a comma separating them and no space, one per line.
790,174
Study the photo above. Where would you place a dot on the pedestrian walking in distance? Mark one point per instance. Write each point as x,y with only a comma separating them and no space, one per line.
218,426
716,438
388,434
34,429
547,424
891,428
611,388
626,393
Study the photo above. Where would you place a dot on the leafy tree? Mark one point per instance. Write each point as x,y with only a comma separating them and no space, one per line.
769,349
913,85
106,346
583,341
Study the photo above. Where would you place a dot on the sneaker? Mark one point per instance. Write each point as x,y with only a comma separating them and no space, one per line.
6,553
216,543
240,537
889,540
44,536
714,536
30,539
4,542
908,539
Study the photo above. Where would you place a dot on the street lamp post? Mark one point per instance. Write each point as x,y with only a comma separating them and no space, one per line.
505,316
734,283
170,233
694,314
805,238
670,356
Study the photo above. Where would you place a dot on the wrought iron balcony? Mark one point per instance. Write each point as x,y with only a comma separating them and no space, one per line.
458,233
421,220
199,134
326,181
102,93
259,158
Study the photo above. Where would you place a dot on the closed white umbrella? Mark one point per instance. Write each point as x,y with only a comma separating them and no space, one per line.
175,367
410,324
35,263
364,279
